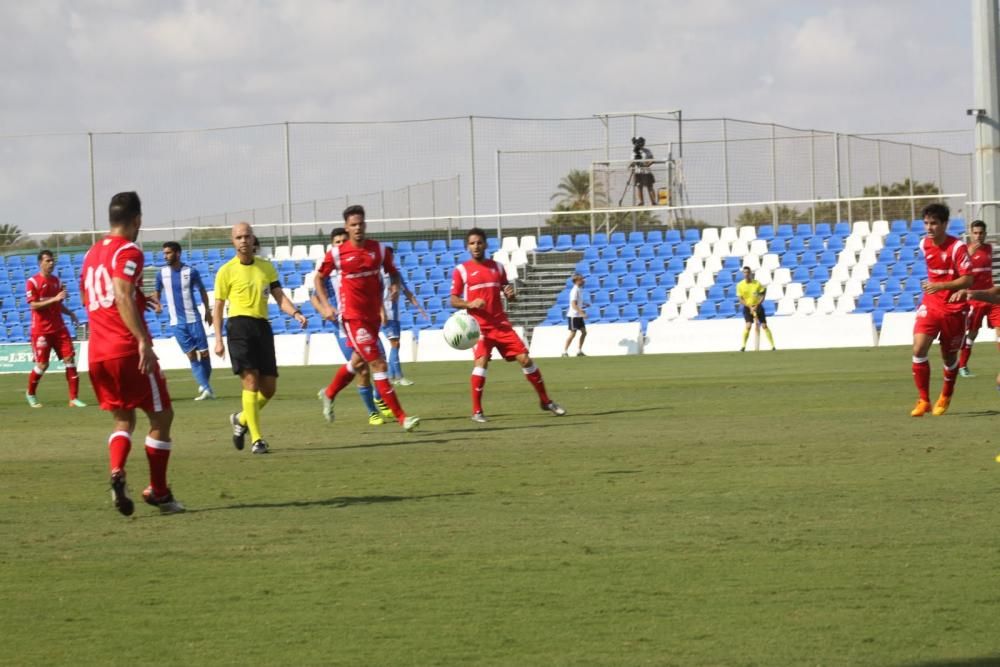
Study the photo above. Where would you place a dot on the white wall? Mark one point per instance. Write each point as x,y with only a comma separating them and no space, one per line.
431,347
602,340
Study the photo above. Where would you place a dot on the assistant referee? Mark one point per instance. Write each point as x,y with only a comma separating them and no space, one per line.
245,282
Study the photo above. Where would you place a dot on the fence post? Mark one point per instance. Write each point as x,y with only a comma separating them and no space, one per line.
472,157
774,180
850,189
878,169
812,175
725,169
288,186
913,206
499,204
93,189
836,166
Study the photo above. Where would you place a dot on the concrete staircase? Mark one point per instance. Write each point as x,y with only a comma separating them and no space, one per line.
544,278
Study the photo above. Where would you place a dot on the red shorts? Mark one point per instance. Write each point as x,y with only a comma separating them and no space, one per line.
43,344
504,339
979,310
950,326
119,385
363,338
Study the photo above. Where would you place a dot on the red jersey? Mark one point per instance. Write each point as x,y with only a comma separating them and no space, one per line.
111,257
358,286
944,262
484,280
982,266
49,319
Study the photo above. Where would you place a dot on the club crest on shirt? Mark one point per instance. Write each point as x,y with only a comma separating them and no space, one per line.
363,336
42,341
922,311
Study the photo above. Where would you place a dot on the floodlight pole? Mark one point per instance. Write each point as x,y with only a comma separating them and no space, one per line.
985,57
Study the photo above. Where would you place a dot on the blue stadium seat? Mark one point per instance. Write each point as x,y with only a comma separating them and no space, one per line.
600,239
673,236
564,242
684,249
629,313
917,227
813,288
816,244
646,251
796,243
692,235
591,254
457,245
421,246
893,241
668,279
649,311
879,271
732,264
893,285
402,247
654,236
619,297
601,298
657,295
899,226
765,232
800,274
783,232
808,259
708,310
675,264
627,252
877,316
821,273
608,253
865,303
617,238
956,226
716,292
827,258
439,245
629,281
544,243
647,280
636,238
581,241
492,244
823,230
842,229
619,266
900,269
835,244
805,230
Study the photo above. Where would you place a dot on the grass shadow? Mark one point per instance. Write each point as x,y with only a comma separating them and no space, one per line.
989,661
337,502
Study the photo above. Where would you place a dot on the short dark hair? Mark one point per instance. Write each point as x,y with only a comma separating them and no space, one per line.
354,209
475,231
125,207
338,231
939,211
173,245
45,253
747,268
978,223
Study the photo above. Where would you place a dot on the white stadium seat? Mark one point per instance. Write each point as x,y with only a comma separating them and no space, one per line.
833,288
281,253
688,311
686,279
300,252
880,227
705,279
728,234
694,264
518,258
702,249
509,244
758,247
738,248
794,290
868,257
782,276
748,233
854,243
528,243
774,292
852,289
697,294
770,261
874,242
847,258
763,276
721,249
668,311
860,272
713,264
826,304
710,234
753,261
860,228
786,306
840,273
845,304
805,306
677,295
317,251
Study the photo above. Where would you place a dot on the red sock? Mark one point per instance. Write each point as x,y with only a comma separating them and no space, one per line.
157,454
534,376
73,380
344,377
963,358
922,378
119,445
34,379
478,381
385,390
950,374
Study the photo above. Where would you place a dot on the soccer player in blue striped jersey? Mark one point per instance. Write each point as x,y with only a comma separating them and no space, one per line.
391,327
176,283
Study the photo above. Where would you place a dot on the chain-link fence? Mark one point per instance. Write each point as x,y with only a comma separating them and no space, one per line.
433,177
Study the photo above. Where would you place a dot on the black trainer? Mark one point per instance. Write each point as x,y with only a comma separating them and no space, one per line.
260,447
119,493
239,431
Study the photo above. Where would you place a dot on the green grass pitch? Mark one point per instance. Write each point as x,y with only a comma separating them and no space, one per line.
719,509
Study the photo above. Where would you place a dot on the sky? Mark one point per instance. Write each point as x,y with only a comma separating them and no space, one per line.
128,65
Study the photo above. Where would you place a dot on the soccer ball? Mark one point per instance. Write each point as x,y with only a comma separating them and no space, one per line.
461,331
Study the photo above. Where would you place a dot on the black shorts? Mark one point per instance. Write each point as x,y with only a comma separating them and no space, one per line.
576,324
644,180
251,345
748,316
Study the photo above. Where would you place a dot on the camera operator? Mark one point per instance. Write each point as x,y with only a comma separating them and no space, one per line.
642,174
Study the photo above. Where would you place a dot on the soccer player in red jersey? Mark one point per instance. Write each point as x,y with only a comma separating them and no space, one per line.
123,367
981,254
476,285
359,262
46,297
948,269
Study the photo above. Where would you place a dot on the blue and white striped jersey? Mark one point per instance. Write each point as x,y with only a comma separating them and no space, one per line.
176,289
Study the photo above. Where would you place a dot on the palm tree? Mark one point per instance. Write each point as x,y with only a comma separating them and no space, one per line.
10,234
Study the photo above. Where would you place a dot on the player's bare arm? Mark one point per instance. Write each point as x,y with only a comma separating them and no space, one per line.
508,291
286,305
217,312
991,295
962,282
45,303
132,318
208,307
459,302
322,302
